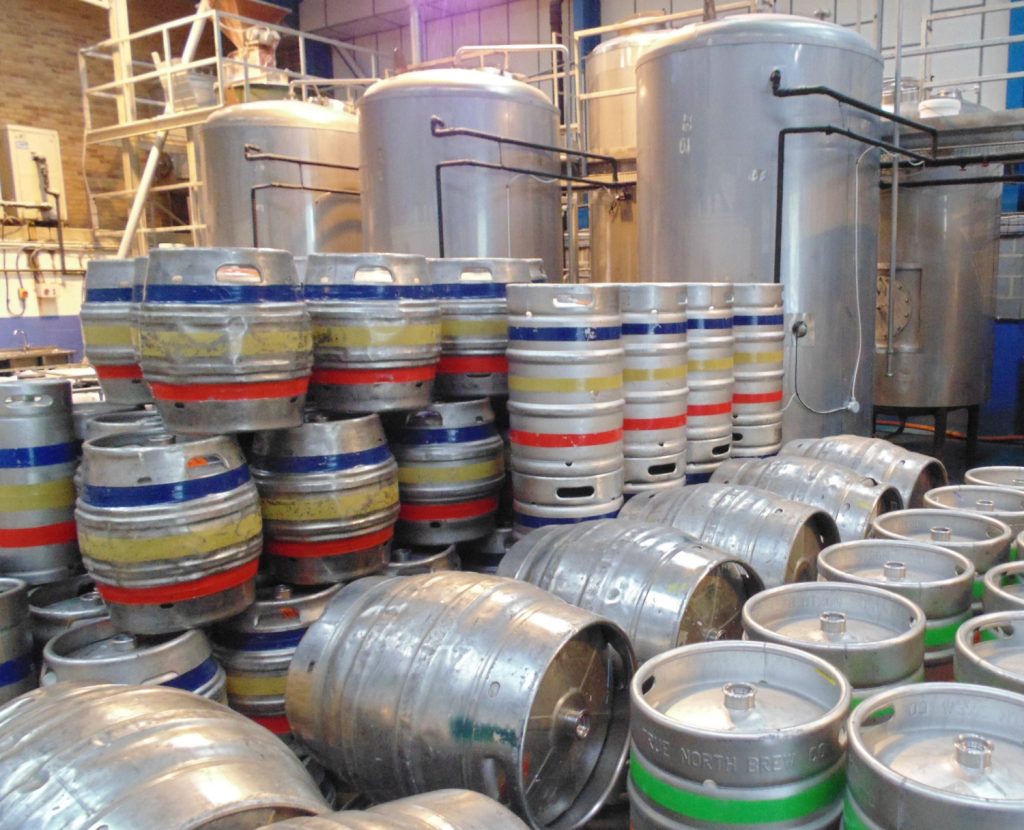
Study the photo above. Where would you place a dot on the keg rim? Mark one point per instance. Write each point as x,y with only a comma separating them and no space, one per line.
825,566
993,582
880,529
931,500
965,634
972,475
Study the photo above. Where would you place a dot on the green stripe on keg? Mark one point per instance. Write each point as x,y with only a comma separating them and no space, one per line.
1014,551
851,821
944,635
979,586
722,811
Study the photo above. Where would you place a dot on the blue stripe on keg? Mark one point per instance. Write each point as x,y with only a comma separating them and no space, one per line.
369,292
194,679
36,456
698,478
222,294
148,494
715,323
260,641
471,291
757,320
653,328
137,293
108,295
13,671
580,334
455,435
536,521
321,463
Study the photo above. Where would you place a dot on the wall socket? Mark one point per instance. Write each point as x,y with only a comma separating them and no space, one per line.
46,291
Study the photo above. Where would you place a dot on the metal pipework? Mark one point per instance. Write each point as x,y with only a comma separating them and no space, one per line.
894,204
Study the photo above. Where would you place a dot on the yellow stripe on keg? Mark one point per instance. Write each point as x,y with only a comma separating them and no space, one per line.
107,335
497,327
717,364
201,343
256,686
326,506
519,383
427,474
359,337
224,534
48,495
746,358
663,373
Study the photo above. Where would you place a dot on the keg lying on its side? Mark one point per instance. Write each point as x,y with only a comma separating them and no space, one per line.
16,670
990,651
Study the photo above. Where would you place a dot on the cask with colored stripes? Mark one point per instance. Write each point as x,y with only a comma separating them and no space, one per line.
758,326
17,673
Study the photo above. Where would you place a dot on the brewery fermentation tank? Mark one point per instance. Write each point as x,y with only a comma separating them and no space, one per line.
302,221
487,212
708,128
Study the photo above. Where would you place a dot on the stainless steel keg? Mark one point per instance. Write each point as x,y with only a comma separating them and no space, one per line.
990,651
415,560
779,538
119,423
936,755
655,427
460,679
853,500
873,636
451,465
568,441
110,328
96,652
85,406
329,498
1003,588
143,756
59,606
663,588
37,492
758,326
474,324
170,529
1003,503
541,501
737,734
709,333
912,473
485,555
376,331
647,473
225,339
996,476
17,674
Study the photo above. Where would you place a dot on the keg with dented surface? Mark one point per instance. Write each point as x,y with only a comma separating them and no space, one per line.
170,529
709,331
147,756
758,326
541,500
16,669
990,651
376,331
329,498
37,492
780,539
737,734
458,679
225,339
110,330
1002,503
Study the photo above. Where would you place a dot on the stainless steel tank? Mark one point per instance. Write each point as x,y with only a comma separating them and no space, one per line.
947,251
487,213
708,129
300,221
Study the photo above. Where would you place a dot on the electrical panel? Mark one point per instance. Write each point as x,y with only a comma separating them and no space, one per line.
28,155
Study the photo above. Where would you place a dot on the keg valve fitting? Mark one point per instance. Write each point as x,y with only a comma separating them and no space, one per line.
973,752
740,698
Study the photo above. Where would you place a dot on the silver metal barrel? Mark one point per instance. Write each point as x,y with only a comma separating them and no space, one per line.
747,731
663,588
936,755
996,476
96,652
225,339
542,501
17,674
376,331
709,334
654,473
1003,503
85,406
570,440
853,500
939,581
474,324
1003,588
257,646
60,606
912,473
119,423
873,636
451,465
485,555
329,497
780,538
990,651
415,560
983,540
148,756
110,330
759,329
170,529
37,492
467,680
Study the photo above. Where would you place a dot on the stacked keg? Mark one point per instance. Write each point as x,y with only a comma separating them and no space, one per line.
16,668
758,326
565,403
709,326
654,385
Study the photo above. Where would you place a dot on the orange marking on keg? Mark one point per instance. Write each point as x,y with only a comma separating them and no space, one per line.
196,461
29,537
341,377
560,440
278,724
129,372
181,591
230,392
643,424
709,409
331,547
764,397
459,365
436,512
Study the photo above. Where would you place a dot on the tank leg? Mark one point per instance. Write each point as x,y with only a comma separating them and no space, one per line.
939,439
973,417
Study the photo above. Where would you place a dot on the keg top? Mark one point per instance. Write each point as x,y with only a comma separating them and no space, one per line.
13,598
378,270
955,529
413,559
479,270
709,296
229,271
486,83
757,294
762,29
894,564
662,299
320,444
453,415
558,299
20,398
278,607
1004,584
103,274
998,476
955,739
1003,503
111,423
993,639
285,113
69,599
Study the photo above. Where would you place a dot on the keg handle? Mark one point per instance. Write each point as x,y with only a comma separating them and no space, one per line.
424,418
239,274
583,299
38,401
476,274
373,274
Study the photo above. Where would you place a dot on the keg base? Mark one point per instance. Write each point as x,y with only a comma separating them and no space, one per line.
323,570
445,531
369,398
169,617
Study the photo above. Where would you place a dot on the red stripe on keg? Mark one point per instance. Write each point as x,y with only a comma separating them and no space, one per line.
339,377
30,537
468,365
230,392
132,371
709,409
436,512
764,397
545,439
332,547
183,590
643,424
277,724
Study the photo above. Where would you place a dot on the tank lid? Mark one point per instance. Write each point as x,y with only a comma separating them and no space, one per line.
785,29
490,83
285,114
641,39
